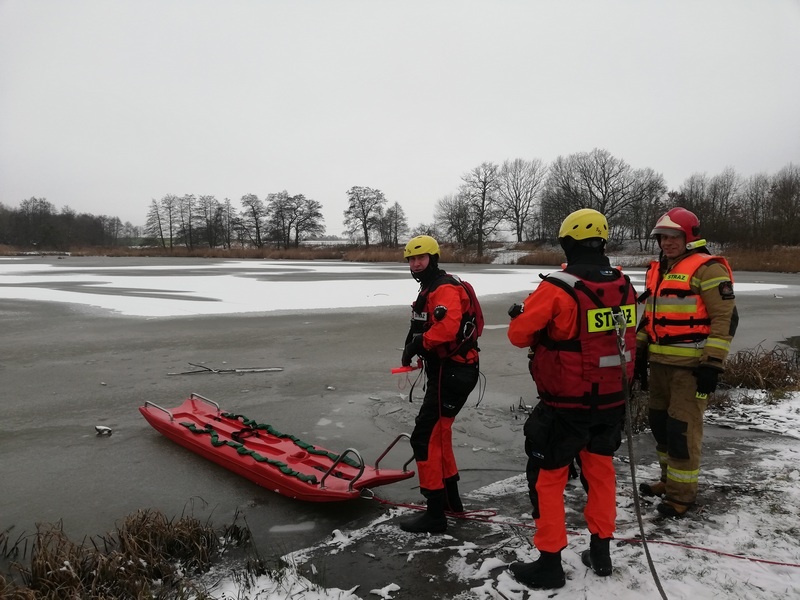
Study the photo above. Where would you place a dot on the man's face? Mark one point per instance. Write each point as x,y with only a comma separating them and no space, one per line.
419,263
672,245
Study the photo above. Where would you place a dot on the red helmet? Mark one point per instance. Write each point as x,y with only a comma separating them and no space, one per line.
678,220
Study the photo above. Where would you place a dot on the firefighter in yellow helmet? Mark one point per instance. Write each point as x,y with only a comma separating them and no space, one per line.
685,334
568,322
446,321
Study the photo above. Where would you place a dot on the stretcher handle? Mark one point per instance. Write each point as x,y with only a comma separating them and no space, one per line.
337,461
389,447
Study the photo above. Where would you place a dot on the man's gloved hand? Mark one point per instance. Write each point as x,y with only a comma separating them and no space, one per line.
707,378
412,349
515,310
640,368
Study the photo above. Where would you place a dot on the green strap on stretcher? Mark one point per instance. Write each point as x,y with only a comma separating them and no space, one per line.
240,449
282,466
298,442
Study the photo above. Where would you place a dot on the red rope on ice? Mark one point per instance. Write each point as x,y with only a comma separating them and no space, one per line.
711,550
485,516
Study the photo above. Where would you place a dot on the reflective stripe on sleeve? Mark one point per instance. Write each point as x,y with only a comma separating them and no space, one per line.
719,344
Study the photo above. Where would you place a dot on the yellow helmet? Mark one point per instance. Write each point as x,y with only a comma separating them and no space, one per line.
422,244
584,224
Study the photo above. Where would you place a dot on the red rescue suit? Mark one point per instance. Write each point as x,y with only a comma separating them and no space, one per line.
569,324
444,312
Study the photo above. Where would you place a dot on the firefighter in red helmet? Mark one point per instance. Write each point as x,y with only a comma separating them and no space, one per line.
685,334
570,323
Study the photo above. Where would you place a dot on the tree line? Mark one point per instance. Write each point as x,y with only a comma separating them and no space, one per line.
37,224
528,198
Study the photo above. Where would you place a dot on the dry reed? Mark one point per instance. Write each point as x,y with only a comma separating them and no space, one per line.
779,259
149,556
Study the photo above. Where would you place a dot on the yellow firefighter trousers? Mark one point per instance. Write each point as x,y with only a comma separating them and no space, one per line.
676,420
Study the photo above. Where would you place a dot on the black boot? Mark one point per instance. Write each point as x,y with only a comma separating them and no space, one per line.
597,557
432,520
452,501
544,573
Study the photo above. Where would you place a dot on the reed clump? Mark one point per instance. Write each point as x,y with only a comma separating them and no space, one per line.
775,371
778,259
148,556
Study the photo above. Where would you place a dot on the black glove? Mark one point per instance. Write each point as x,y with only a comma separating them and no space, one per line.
515,310
706,379
412,348
640,369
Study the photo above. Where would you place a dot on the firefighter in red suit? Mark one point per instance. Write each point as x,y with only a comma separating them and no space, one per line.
574,323
444,333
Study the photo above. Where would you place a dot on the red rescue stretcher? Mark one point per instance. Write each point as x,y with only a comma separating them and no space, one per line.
267,457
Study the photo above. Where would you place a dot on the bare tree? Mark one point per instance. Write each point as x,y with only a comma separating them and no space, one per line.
229,222
364,207
785,200
520,183
291,218
209,219
393,226
280,217
154,226
721,203
425,229
480,188
186,219
754,202
309,221
34,223
169,215
649,194
253,221
456,219
693,192
600,181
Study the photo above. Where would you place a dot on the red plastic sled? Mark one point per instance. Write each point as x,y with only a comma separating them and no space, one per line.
267,457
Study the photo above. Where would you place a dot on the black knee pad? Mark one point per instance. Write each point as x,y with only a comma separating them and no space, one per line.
677,442
658,425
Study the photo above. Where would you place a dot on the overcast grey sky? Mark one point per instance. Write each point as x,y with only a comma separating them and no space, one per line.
108,104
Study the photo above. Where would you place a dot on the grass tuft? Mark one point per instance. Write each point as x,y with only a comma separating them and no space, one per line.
149,556
775,371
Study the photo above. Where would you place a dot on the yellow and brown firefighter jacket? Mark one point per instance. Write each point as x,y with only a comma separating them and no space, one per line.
689,317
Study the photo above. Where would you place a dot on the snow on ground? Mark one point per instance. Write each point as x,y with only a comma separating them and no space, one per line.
746,546
749,551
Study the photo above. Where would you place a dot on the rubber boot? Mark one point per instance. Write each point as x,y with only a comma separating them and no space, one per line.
430,521
656,488
545,573
597,557
452,502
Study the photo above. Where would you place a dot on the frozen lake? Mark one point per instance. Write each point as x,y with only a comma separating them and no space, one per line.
85,341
